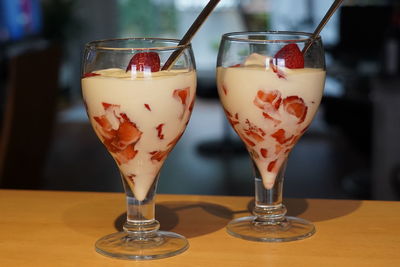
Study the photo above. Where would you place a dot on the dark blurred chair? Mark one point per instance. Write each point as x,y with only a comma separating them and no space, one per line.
29,113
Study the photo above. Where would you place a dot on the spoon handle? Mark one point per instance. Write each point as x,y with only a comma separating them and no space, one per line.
191,31
321,25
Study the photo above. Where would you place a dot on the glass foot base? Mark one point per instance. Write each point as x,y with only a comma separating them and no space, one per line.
123,245
290,229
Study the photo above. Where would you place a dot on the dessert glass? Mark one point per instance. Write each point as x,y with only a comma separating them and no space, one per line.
270,93
139,112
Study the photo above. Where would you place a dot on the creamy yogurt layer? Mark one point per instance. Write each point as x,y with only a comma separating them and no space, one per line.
139,117
270,109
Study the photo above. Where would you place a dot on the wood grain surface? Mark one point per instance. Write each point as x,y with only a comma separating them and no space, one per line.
57,228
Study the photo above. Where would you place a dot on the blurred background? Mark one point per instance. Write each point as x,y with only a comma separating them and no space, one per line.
352,149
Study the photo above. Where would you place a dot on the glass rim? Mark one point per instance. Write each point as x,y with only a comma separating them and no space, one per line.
234,36
96,44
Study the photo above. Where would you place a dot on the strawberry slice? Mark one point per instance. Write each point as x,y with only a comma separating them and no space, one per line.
269,117
108,105
106,130
181,94
264,152
159,129
275,69
121,141
230,118
224,89
236,66
271,166
191,105
131,178
123,156
253,153
147,106
233,122
254,135
269,101
280,136
295,106
145,61
291,55
127,132
90,74
247,141
103,122
159,155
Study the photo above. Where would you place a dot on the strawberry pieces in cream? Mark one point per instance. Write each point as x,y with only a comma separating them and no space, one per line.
139,119
270,105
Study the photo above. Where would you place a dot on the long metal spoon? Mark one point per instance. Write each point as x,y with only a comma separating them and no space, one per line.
321,25
191,32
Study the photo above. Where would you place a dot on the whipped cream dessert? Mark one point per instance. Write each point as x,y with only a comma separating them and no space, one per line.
139,117
270,107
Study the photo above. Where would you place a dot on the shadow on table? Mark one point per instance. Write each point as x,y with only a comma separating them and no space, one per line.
183,217
319,210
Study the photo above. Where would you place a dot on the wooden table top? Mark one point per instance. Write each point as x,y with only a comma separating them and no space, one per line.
57,228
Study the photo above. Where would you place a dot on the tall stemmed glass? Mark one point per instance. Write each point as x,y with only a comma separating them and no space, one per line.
270,92
139,112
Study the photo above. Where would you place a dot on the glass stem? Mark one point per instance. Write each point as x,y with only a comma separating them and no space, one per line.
140,219
268,202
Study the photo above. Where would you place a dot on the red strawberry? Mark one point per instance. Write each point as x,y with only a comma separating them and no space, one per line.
126,155
254,135
269,101
106,130
159,155
181,94
267,116
291,55
90,74
224,89
107,106
103,122
272,97
147,106
271,166
280,136
247,140
191,105
145,61
127,132
159,129
295,106
232,121
131,177
275,69
264,152
253,153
